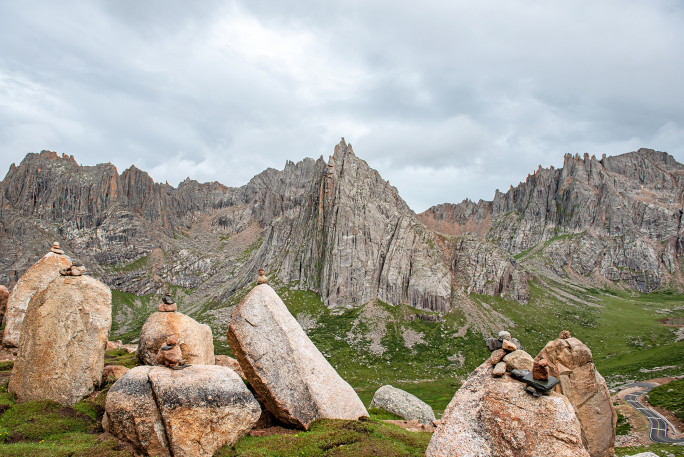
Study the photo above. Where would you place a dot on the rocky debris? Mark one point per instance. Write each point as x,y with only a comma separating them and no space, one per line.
226,361
113,373
294,380
493,417
203,408
403,404
518,360
132,414
4,296
63,340
32,282
261,279
195,339
55,248
168,305
170,354
192,412
571,362
499,369
497,356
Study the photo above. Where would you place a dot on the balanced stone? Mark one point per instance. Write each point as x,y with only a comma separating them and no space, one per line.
519,374
168,305
497,356
508,346
55,248
540,370
195,339
499,370
262,279
519,360
504,335
170,354
493,344
539,385
564,335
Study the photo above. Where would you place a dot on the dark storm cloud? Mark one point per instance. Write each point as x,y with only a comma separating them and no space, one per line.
446,99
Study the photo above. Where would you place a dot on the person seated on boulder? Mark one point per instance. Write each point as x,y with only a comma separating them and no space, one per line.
55,248
170,354
261,279
77,269
168,305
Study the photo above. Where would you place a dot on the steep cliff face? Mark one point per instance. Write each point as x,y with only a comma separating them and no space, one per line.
336,228
619,217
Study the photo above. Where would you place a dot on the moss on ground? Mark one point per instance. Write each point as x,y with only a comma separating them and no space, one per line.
623,426
661,450
335,438
669,396
121,357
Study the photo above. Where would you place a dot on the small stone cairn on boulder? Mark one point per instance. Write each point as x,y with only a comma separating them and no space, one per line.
35,280
63,340
294,380
503,410
261,278
403,404
195,340
170,354
572,362
188,413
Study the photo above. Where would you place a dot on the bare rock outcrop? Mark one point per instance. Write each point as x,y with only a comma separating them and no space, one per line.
196,342
293,379
403,404
495,417
32,282
63,340
186,413
571,362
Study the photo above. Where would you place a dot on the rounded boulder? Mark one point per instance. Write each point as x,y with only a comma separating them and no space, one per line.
403,404
196,341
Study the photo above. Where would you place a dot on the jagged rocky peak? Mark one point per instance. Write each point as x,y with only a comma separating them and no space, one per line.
623,215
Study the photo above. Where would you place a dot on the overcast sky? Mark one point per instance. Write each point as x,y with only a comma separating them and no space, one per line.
446,99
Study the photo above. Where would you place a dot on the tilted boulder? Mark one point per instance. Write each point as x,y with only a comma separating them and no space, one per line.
33,281
294,380
185,413
495,417
196,341
63,340
571,362
403,404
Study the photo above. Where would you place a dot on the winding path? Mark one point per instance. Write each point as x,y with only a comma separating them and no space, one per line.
658,430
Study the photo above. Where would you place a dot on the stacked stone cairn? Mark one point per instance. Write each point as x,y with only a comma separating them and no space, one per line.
507,356
262,279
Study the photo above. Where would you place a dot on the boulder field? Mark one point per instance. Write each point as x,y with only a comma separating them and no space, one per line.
294,380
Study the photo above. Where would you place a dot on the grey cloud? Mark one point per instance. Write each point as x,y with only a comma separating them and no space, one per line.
446,99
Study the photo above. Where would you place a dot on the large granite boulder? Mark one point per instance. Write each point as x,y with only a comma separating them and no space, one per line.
571,362
294,380
196,341
132,415
495,417
33,281
63,340
184,413
403,404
